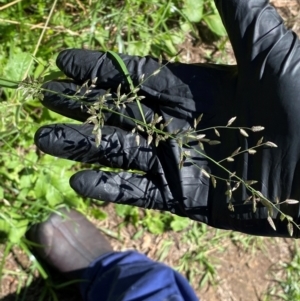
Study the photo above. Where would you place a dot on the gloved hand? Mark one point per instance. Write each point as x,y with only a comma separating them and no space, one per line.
178,93
260,91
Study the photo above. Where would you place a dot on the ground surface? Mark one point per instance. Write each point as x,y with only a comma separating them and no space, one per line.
245,267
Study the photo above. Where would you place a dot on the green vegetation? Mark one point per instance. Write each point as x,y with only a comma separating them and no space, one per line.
34,185
285,284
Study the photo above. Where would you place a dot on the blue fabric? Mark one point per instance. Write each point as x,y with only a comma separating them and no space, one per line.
131,276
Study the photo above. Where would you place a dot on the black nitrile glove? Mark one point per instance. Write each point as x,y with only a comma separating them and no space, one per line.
170,94
263,89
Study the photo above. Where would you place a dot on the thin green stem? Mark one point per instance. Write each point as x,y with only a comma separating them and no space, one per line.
23,245
223,127
141,110
40,38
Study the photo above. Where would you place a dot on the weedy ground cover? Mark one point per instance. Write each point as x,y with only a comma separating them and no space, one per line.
285,285
33,185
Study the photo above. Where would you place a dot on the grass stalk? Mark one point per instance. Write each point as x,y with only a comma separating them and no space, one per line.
5,6
40,39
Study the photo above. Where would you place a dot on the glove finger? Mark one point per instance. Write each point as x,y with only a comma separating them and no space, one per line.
177,80
121,188
118,148
83,65
144,191
58,98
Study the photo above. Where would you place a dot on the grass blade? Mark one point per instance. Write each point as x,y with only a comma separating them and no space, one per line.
129,80
5,83
123,67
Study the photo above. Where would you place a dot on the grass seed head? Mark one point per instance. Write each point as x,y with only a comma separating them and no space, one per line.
230,207
290,228
217,132
197,121
94,80
236,186
257,128
254,205
140,128
149,139
250,182
156,72
236,151
142,77
271,144
214,142
230,121
205,173
251,151
137,140
271,222
291,201
213,181
244,133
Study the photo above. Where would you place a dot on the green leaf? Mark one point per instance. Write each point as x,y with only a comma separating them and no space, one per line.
53,195
98,214
141,48
4,229
170,46
17,65
18,231
121,210
25,181
25,193
4,83
186,27
179,223
38,70
56,164
138,234
215,24
40,187
53,75
177,38
128,212
193,10
31,157
154,225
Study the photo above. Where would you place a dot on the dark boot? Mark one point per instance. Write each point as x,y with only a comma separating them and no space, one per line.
69,242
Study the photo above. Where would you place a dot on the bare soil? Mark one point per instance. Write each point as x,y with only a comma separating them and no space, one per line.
242,274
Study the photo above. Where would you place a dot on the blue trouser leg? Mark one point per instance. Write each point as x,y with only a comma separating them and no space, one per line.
131,276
